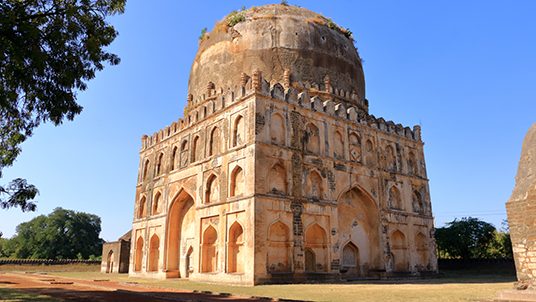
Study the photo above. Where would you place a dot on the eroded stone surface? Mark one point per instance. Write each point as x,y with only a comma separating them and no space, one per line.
521,210
277,172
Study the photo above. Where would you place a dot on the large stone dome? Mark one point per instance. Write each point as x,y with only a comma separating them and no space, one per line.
272,39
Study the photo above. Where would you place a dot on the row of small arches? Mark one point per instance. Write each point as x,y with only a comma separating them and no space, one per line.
312,145
209,251
212,192
180,155
395,200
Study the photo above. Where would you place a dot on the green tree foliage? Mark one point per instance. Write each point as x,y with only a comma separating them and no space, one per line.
49,49
63,234
471,238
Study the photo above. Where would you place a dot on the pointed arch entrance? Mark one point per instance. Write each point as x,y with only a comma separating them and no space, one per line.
350,259
110,262
180,230
358,218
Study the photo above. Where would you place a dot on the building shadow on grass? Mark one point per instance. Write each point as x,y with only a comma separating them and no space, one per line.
72,294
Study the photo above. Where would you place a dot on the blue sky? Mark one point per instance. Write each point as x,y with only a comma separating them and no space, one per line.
464,70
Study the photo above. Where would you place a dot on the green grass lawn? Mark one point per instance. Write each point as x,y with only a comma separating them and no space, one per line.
51,268
11,295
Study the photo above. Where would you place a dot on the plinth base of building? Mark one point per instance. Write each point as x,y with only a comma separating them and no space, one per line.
514,295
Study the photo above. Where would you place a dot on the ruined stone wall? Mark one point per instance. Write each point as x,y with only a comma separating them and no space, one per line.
521,210
115,257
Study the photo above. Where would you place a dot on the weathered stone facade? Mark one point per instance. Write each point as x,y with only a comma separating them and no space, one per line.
277,172
521,210
115,255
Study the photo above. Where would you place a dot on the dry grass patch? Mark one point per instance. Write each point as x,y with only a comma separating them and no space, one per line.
450,287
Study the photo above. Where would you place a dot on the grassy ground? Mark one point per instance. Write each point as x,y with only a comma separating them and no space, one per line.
51,268
10,295
452,286
459,285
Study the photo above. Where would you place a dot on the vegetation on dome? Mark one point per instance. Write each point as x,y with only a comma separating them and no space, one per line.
203,34
345,31
235,17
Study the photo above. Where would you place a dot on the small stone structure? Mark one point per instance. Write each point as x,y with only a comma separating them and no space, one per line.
521,210
277,172
115,255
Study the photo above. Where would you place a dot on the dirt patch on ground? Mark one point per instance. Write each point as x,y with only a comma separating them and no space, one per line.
105,290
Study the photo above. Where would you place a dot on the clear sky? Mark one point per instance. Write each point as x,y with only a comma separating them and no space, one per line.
464,70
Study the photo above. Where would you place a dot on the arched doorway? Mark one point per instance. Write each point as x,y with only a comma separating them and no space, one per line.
279,248
209,251
358,221
310,260
350,259
154,253
421,243
110,262
188,262
399,248
316,249
138,255
180,230
236,240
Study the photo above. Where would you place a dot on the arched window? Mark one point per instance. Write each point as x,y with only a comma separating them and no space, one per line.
142,208
145,174
399,249
412,164
369,146
154,253
370,158
395,201
312,139
338,145
209,253
417,202
237,182
316,250
239,131
390,159
235,261
156,203
159,161
215,142
279,251
350,258
277,129
195,149
314,186
173,158
212,193
421,244
184,154
277,180
138,256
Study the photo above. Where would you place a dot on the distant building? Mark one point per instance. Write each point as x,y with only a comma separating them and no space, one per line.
277,172
115,255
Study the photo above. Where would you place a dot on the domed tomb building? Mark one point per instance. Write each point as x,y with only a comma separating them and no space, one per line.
277,172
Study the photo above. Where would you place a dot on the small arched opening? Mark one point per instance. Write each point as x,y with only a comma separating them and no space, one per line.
235,261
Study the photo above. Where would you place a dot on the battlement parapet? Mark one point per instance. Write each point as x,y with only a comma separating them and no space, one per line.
333,102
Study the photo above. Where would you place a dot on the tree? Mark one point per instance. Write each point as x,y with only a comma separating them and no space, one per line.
63,234
465,238
49,49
